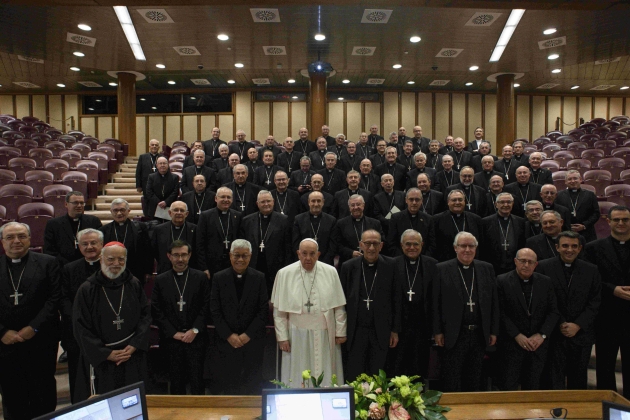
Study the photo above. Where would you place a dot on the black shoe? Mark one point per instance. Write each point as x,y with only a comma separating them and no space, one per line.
63,358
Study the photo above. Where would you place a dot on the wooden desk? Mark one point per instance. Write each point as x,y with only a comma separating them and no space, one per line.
481,405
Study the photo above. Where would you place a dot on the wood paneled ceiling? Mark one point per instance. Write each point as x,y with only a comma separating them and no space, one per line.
40,32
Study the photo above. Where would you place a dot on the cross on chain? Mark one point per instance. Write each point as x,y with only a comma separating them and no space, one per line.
469,206
411,293
471,304
181,304
505,244
242,206
226,242
118,322
367,301
308,305
262,246
15,297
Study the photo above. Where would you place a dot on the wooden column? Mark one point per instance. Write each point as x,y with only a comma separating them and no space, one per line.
127,110
506,132
318,95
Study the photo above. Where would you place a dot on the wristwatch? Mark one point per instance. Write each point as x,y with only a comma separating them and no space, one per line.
195,330
543,336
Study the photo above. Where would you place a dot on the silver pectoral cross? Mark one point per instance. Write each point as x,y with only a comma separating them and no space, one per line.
411,293
367,301
118,322
471,304
262,246
308,305
505,245
181,304
15,297
226,242
242,206
469,206
267,182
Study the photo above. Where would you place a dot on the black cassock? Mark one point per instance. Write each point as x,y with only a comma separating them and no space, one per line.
447,225
98,333
212,245
167,233
197,203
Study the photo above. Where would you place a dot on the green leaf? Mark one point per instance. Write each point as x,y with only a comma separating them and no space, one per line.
314,382
320,379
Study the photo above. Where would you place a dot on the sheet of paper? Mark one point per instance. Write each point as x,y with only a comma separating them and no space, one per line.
162,213
393,211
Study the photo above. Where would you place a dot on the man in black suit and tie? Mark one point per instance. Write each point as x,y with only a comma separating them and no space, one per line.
482,177
285,200
398,171
373,305
529,315
378,158
507,164
240,308
402,135
388,202
244,192
147,164
432,202
221,161
461,157
341,208
252,163
544,244
211,147
504,235
190,159
612,332
420,143
264,174
578,287
448,146
411,218
334,179
198,168
317,225
540,176
420,160
465,315
269,232
304,146
318,157
60,235
226,175
167,233
369,181
496,188
484,150
300,179
475,196
217,229
180,307
473,146
522,190
198,200
548,195
330,140
446,177
338,148
162,188
582,204
241,147
406,157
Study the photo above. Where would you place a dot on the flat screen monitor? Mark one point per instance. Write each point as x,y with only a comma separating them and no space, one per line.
128,403
612,411
308,404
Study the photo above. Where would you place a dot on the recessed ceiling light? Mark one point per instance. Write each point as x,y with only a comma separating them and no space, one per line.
142,99
340,98
549,31
61,85
411,82
239,65
223,37
122,13
414,39
193,98
506,34
99,100
575,87
90,109
345,81
291,80
78,54
553,56
294,97
469,84
397,66
84,27
320,37
154,107
75,69
473,68
231,81
624,87
113,84
160,66
516,85
171,82
556,70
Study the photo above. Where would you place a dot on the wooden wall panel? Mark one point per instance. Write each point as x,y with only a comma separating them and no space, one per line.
425,114
280,120
372,116
88,125
474,116
226,124
335,119
115,133
54,111
39,107
261,121
538,116
601,107
6,104
190,128
72,112
141,135
390,112
458,116
553,111
354,121
104,128
243,111
156,129
173,126
208,123
616,107
441,116
568,111
408,111
522,117
491,120
586,108
298,119
22,106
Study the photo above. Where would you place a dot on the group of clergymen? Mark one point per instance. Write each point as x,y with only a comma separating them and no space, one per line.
407,277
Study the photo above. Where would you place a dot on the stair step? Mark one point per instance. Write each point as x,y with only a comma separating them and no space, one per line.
119,191
106,215
106,206
123,185
124,175
110,198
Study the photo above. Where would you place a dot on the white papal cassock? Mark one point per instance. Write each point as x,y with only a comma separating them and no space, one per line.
311,334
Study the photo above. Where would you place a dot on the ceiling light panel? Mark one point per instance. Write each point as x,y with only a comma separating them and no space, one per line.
602,87
90,84
27,85
274,50
130,31
449,52
506,34
439,83
261,81
548,86
374,81
551,43
201,82
607,60
30,59
363,51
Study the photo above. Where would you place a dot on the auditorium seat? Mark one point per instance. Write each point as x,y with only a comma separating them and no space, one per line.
540,142
612,125
91,141
7,153
67,140
13,196
84,149
577,147
587,187
41,138
622,119
76,180
55,195
37,180
619,193
55,147
25,145
7,177
553,135
54,133
551,149
166,150
601,131
56,167
590,140
40,155
564,141
95,176
624,129
3,214
606,145
593,155
581,165
558,179
614,165
16,124
183,150
623,153
36,215
79,135
552,165
180,143
624,176
41,126
70,156
562,157
30,120
104,164
27,130
110,151
176,166
618,136
528,149
21,165
118,147
3,142
177,158
11,136
598,178
602,228
576,133
598,121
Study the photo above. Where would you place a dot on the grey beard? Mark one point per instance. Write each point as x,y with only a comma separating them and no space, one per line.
107,273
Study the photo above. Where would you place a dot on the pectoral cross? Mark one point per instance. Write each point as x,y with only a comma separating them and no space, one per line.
15,297
458,167
118,322
574,213
524,206
367,301
262,246
505,244
411,293
242,206
315,238
471,304
226,242
181,304
308,305
153,169
267,182
469,206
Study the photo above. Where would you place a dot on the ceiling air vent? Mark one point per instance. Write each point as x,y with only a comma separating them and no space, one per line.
26,85
376,16
607,60
155,15
201,82
363,50
261,81
274,50
187,50
554,42
30,59
439,83
602,87
375,81
80,39
548,86
449,52
265,15
482,19
90,84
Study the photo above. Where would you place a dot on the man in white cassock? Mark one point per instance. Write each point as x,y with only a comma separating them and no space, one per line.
310,317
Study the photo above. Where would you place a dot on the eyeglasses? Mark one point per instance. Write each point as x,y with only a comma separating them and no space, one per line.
119,210
369,245
502,202
526,262
86,244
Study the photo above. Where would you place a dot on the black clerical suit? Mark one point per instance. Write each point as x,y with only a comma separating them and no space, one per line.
370,182
467,317
507,167
411,356
147,164
211,247
198,203
364,151
584,210
27,370
287,203
350,162
334,180
189,173
407,161
192,289
476,162
474,196
340,206
412,176
274,149
461,159
521,160
339,151
304,147
378,159
482,179
370,323
543,246
420,222
225,175
161,188
320,228
270,237
420,144
318,159
211,147
532,229
612,331
252,165
578,288
289,161
500,244
60,236
435,161
328,202
373,139
240,305
447,225
299,178
218,164
473,146
398,171
444,179
541,176
98,331
385,203
564,212
190,161
135,236
522,194
165,234
347,235
241,148
432,202
527,308
264,176
244,197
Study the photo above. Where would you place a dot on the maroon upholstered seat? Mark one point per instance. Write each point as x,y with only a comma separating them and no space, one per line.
594,155
576,133
590,139
70,156
623,153
55,147
553,135
563,156
41,126
37,180
7,177
602,228
41,138
612,164
40,155
95,176
552,165
558,179
25,145
55,195
30,120
180,143
577,147
78,181
11,136
91,141
176,166
84,149
21,165
13,196
540,142
581,165
564,141
180,150
606,145
7,153
598,121
618,193
56,167
36,215
27,130
598,178
176,158
551,149
79,135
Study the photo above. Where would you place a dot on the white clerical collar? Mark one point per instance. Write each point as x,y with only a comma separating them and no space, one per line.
121,224
505,218
265,216
412,262
315,216
16,260
224,212
574,190
525,280
466,267
92,262
180,274
177,227
359,219
537,224
239,276
567,265
198,167
370,265
75,220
